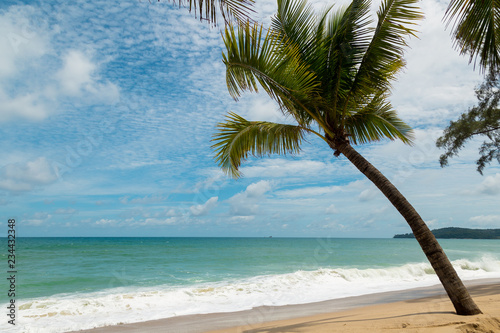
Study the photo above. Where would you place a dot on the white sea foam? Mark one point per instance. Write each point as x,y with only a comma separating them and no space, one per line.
62,313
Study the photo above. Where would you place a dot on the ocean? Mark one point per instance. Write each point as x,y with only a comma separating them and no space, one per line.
65,284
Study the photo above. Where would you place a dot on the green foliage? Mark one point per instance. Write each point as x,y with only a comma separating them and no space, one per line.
375,120
332,70
238,137
460,233
481,120
476,30
252,59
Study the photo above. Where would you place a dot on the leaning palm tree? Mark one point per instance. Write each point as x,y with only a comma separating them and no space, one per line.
332,74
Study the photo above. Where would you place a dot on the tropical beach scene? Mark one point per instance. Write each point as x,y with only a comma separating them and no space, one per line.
250,166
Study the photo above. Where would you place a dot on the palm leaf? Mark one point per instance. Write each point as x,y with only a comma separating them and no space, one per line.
346,39
383,58
237,138
477,30
210,9
294,22
269,61
377,120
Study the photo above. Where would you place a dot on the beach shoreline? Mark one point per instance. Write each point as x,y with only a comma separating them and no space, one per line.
401,309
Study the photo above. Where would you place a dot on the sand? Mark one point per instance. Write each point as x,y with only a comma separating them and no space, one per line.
416,310
431,314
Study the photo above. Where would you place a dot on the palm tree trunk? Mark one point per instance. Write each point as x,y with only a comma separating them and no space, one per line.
459,296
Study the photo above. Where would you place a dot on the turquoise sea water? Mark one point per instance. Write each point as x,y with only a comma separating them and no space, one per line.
111,280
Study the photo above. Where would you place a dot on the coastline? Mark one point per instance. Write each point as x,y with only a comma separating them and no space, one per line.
395,309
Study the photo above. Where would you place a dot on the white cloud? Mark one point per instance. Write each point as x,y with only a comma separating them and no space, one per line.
22,45
20,40
153,198
34,222
28,60
37,219
331,225
309,191
170,34
432,223
314,191
260,107
106,222
76,73
212,183
171,212
158,221
367,195
486,220
282,168
246,203
380,210
258,189
76,79
26,106
203,209
19,177
331,209
242,219
79,77
490,185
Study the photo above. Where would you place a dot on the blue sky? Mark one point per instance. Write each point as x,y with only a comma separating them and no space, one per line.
107,110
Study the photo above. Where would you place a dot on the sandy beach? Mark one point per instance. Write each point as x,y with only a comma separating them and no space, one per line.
430,314
417,310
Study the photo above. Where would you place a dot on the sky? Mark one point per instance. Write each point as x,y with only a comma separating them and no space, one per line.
107,110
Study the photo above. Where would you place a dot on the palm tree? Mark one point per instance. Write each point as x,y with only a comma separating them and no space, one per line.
477,30
332,74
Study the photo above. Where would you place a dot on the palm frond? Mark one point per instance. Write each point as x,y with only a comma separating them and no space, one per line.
253,59
376,121
294,22
384,56
209,10
237,138
346,39
477,30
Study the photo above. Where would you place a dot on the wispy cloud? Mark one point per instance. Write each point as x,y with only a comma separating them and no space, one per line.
490,185
331,209
31,65
492,221
20,177
284,168
246,203
203,209
77,77
153,198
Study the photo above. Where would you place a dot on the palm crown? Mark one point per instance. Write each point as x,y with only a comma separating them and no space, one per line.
331,72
